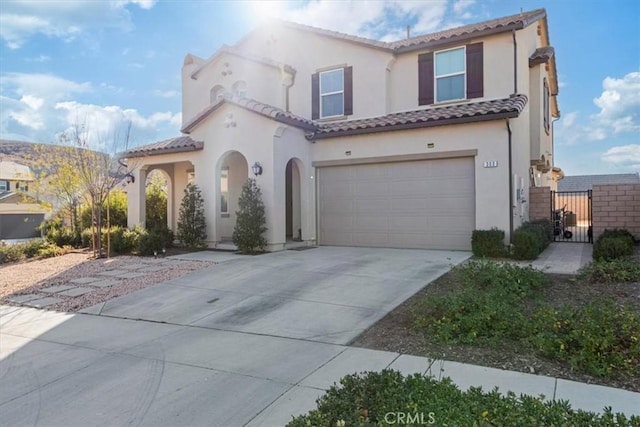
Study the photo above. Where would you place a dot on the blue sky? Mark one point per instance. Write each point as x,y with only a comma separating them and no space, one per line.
102,62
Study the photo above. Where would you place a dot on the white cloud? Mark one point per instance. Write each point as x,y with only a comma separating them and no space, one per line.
166,93
460,7
20,20
569,119
383,20
624,155
38,107
619,104
40,58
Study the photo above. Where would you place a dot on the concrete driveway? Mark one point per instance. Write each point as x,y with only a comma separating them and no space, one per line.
250,341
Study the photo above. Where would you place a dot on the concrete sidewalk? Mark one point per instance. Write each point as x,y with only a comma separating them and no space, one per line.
563,258
79,369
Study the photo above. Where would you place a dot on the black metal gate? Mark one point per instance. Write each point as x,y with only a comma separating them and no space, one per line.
571,215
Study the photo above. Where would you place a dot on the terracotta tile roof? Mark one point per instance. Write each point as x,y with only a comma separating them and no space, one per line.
245,55
435,116
492,26
586,182
173,145
541,55
252,105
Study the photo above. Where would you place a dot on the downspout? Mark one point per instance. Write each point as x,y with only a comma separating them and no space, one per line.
515,62
510,184
286,89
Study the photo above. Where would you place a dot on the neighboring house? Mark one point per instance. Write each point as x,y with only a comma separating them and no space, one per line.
406,144
20,213
572,190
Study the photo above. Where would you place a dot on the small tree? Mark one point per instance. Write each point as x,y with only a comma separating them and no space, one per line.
251,220
192,229
156,202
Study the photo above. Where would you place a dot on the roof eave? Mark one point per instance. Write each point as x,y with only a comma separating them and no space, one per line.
161,151
419,125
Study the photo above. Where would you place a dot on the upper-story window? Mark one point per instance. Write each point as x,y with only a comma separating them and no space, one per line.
22,186
240,89
451,74
217,94
332,93
450,71
545,105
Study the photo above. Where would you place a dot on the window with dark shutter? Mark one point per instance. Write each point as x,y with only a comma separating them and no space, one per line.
332,93
545,105
425,79
475,71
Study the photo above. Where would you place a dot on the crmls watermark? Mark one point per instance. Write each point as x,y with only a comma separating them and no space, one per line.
414,418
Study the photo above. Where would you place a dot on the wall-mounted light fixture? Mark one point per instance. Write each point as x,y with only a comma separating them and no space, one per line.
257,168
130,178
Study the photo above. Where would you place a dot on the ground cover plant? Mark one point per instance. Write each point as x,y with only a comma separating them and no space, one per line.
388,397
512,317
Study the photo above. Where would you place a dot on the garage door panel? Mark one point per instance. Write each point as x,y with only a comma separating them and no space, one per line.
371,188
426,204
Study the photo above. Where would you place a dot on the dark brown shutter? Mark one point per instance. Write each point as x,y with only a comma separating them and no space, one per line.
425,79
315,96
475,73
348,91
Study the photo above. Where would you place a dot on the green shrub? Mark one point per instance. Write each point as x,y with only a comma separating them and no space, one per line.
31,248
546,228
50,250
192,228
378,398
11,253
86,238
123,240
613,244
601,338
152,242
614,271
526,244
504,278
117,211
63,236
248,233
488,243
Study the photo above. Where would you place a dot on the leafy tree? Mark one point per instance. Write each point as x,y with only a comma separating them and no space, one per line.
156,201
251,219
117,211
99,172
192,229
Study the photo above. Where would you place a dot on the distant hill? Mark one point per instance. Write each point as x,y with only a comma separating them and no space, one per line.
18,151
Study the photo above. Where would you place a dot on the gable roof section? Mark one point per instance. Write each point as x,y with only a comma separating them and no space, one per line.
586,182
254,106
493,26
244,55
180,144
430,117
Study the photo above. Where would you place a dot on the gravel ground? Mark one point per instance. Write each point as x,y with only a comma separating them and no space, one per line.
30,277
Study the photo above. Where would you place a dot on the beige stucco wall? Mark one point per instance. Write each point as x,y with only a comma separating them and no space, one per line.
264,83
308,53
497,65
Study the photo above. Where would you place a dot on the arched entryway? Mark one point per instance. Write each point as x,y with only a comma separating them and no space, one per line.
293,201
231,174
159,201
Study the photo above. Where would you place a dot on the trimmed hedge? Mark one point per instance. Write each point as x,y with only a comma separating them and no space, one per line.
389,398
613,244
531,239
488,243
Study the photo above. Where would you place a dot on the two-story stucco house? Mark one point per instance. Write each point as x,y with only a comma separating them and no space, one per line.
406,144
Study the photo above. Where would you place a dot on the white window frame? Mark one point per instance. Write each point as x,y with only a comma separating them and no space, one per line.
218,91
224,172
322,116
240,89
436,76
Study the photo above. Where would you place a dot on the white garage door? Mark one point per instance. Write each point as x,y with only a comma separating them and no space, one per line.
428,204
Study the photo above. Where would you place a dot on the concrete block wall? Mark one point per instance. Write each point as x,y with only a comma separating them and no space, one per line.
616,206
539,203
